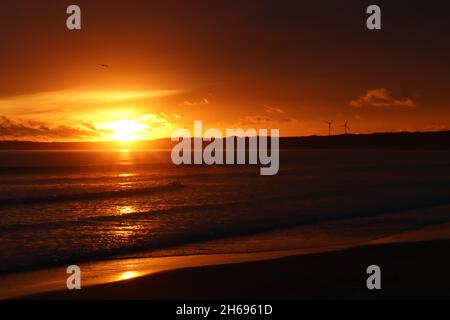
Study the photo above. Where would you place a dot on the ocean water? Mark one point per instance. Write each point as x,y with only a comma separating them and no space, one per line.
62,207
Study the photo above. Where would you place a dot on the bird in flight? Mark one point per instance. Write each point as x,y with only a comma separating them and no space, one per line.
104,65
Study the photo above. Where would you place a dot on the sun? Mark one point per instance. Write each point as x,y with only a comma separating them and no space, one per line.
125,130
135,128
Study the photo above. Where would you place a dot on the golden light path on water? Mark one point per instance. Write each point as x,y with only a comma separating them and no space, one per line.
108,271
123,210
129,275
126,268
125,157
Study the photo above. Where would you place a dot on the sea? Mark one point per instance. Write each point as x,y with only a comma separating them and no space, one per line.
63,207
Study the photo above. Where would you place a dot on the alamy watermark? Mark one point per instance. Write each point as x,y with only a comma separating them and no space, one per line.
74,279
73,21
231,148
374,280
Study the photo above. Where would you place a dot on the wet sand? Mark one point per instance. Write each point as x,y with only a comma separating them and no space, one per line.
409,270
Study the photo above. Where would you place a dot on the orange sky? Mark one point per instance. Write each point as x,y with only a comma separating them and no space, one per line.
291,65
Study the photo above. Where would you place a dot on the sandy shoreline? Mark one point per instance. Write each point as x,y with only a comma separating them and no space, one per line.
409,270
410,259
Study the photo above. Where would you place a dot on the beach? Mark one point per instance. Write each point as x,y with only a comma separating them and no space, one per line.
207,150
409,271
129,218
413,266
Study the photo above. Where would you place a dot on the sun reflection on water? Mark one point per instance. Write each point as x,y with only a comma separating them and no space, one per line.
126,210
125,157
128,275
127,175
126,233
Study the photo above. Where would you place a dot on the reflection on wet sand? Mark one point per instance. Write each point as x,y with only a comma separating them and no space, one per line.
94,273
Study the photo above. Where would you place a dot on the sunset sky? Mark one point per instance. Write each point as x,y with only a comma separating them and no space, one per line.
291,65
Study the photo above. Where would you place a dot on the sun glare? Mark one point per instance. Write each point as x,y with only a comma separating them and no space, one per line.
125,130
133,128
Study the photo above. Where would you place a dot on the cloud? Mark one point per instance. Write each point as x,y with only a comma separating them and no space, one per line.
264,120
381,98
64,100
147,126
256,119
158,126
201,102
90,126
37,130
272,116
270,109
436,127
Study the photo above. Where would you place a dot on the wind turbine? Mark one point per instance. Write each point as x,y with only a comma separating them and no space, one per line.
330,123
345,126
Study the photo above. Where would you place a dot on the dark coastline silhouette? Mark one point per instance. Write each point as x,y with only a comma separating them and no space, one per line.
395,140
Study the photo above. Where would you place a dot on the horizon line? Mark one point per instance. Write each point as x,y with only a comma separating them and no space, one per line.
281,137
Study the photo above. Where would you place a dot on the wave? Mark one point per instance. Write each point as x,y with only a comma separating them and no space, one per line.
282,215
183,238
93,220
290,204
91,195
